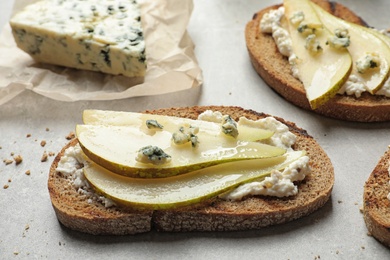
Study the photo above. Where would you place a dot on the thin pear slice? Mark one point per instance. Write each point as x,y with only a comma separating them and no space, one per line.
363,40
183,190
116,148
120,118
322,73
252,134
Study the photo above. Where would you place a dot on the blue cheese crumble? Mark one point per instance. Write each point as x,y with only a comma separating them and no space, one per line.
152,154
367,62
185,134
340,40
153,124
312,44
97,35
229,126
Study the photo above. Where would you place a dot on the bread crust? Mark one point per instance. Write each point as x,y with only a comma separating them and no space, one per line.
376,205
277,74
214,215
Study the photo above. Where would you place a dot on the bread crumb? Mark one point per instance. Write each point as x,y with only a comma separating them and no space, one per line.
43,143
28,135
47,129
18,159
51,154
70,136
16,253
44,157
28,172
339,201
9,180
7,161
363,247
6,186
12,153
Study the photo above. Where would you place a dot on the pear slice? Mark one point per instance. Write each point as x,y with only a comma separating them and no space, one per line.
120,118
182,190
116,148
363,40
322,72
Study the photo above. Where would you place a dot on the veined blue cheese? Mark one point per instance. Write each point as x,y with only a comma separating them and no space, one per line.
152,154
97,35
229,126
340,39
153,124
185,134
312,44
367,62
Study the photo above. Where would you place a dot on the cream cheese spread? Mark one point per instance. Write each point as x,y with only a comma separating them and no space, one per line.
271,23
279,183
71,166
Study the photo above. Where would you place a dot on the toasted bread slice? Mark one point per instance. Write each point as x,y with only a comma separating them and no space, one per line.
376,205
76,212
276,72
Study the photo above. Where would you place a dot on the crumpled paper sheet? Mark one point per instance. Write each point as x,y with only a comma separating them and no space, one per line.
172,65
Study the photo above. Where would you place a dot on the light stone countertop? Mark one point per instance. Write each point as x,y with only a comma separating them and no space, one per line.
30,230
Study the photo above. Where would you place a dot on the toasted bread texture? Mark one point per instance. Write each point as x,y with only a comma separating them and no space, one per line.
376,205
276,72
74,211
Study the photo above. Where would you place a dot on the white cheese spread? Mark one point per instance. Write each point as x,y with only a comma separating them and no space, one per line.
70,166
279,183
271,23
211,116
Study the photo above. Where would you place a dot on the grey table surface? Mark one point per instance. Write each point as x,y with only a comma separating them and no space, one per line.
30,230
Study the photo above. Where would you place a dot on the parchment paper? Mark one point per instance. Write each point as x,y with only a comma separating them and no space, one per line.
172,65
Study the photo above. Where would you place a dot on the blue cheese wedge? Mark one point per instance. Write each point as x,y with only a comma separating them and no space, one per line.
97,35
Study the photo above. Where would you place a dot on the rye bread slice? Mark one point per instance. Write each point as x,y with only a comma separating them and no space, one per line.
276,72
74,211
376,205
